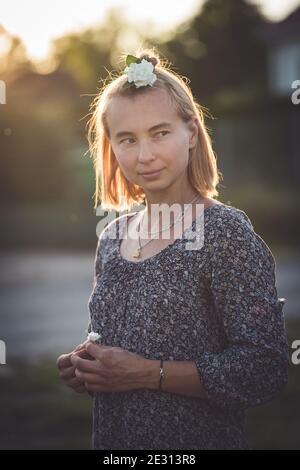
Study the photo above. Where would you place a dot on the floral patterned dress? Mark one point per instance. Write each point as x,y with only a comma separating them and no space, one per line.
216,305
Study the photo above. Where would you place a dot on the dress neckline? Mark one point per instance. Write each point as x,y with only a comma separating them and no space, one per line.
168,247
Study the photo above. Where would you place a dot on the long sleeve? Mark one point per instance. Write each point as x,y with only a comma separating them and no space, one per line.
97,273
252,367
108,234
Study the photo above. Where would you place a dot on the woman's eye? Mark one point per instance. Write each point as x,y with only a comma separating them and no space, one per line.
164,132
161,132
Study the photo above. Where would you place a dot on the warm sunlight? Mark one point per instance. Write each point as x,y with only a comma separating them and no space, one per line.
37,23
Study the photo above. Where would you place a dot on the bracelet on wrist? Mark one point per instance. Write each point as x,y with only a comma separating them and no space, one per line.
161,375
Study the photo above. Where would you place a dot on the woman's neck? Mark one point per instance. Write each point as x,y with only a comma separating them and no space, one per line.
166,205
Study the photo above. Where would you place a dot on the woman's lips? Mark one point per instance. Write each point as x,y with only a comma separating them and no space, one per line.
154,174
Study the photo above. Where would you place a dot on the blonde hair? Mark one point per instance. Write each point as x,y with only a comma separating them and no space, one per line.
113,190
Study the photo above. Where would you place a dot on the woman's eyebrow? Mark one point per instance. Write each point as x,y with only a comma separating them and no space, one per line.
153,128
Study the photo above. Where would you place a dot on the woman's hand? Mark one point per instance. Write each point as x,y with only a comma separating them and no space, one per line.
113,369
67,370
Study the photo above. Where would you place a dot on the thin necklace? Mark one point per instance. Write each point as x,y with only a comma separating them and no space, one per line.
177,219
137,252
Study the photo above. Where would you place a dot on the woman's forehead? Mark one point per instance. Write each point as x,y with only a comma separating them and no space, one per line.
147,107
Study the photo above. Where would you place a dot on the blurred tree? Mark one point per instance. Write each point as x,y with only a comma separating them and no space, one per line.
44,158
88,54
14,61
220,47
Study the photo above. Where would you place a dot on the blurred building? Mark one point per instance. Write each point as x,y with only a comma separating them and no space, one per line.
283,42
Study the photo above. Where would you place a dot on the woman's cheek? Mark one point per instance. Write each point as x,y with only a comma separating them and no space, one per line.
127,166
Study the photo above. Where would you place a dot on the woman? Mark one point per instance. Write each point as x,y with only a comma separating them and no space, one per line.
190,337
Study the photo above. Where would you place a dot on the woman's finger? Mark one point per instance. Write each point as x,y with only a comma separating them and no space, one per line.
74,382
67,373
80,346
97,388
85,365
87,377
84,354
64,361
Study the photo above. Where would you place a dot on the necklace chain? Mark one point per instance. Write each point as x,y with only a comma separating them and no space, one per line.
137,253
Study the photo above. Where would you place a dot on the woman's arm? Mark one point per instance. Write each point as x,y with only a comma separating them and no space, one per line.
252,368
180,377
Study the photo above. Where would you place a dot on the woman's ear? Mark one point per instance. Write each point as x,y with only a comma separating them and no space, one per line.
193,129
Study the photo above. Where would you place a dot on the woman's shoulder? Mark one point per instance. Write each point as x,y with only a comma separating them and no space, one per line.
224,217
232,230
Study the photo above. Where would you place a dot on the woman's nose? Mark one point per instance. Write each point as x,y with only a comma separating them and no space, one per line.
145,153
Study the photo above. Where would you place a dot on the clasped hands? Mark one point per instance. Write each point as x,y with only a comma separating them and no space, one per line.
92,367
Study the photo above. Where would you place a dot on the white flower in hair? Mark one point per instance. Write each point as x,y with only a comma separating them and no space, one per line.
92,336
139,71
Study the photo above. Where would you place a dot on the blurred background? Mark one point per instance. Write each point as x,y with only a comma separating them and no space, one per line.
242,59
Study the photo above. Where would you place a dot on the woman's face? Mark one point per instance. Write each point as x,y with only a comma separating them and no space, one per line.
142,144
